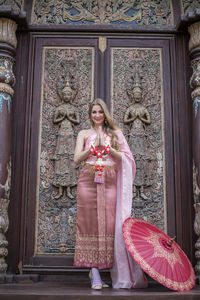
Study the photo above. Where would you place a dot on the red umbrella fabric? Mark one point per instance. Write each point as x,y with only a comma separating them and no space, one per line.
158,255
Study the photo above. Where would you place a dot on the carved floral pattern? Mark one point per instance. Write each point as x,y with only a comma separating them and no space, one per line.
157,12
7,79
197,231
195,95
196,188
189,5
56,220
195,85
148,61
6,71
14,3
4,221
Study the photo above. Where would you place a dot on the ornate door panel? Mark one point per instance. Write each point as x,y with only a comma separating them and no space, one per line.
64,83
141,104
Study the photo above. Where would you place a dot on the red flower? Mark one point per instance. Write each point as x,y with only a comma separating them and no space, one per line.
99,153
107,149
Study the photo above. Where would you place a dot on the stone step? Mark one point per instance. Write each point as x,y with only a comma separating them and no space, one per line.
47,290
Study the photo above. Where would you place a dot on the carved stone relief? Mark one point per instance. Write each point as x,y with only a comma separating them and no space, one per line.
67,89
189,5
6,71
4,223
197,244
138,116
195,84
157,12
196,187
66,115
137,107
7,76
194,44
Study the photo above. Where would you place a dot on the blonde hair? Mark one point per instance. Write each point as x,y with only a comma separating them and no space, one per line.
109,126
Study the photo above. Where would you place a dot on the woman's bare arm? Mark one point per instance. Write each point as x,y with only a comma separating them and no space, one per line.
80,154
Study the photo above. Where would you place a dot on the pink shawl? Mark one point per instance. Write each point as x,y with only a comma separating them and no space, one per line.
126,273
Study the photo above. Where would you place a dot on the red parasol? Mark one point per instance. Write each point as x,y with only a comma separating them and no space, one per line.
158,255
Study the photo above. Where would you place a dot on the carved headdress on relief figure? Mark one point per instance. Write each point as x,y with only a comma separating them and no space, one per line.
138,117
67,89
66,116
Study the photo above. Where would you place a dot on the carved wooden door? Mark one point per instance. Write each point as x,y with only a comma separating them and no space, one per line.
66,74
64,83
143,66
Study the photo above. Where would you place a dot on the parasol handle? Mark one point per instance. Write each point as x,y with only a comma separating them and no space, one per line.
171,240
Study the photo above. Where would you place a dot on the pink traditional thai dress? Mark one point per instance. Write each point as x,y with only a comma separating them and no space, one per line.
101,210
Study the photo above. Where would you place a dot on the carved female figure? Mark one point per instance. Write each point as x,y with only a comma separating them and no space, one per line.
138,116
65,116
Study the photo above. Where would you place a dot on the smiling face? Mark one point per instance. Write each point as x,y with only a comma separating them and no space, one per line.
97,115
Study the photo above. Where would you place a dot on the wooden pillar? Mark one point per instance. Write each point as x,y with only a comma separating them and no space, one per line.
8,43
194,47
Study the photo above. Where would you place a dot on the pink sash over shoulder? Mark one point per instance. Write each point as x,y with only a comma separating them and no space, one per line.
126,273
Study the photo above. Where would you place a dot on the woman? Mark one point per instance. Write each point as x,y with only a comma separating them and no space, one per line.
104,198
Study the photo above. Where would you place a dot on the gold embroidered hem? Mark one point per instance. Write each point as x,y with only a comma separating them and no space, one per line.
93,251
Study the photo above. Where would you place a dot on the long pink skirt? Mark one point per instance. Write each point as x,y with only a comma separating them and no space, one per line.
96,205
